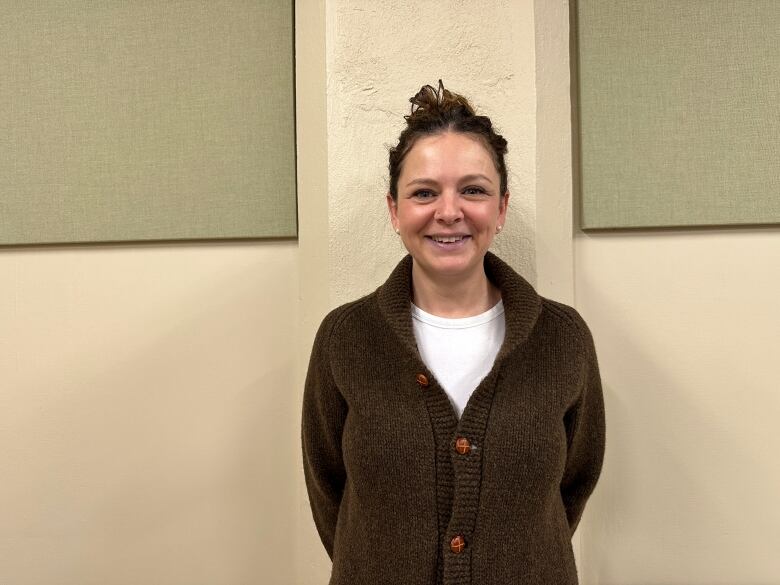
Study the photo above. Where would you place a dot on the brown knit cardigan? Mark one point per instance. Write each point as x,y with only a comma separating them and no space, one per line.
394,501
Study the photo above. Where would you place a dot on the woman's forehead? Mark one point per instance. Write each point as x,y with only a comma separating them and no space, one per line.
447,154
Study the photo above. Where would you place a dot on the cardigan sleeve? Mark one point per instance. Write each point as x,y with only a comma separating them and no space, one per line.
585,431
324,413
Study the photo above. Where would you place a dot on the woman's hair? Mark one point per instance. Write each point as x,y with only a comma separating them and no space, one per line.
435,111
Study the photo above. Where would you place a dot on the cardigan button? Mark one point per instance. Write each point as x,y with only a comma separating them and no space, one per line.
457,544
462,445
422,380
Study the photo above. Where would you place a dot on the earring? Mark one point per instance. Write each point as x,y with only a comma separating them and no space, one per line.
398,231
498,228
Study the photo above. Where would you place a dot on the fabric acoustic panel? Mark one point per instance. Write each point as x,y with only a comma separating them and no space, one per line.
146,120
679,108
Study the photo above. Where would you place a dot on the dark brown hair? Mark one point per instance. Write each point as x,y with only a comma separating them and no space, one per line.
435,111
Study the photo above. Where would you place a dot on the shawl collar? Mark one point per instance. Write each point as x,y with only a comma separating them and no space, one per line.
521,302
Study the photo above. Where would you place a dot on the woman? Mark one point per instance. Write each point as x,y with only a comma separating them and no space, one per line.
453,423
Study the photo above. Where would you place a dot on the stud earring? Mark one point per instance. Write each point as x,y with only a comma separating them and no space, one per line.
398,231
498,228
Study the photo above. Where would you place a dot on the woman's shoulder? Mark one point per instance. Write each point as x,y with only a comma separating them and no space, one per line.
354,314
565,318
562,311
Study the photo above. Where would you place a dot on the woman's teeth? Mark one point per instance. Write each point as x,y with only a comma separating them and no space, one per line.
447,240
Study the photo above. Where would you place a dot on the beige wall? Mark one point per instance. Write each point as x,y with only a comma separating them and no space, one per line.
144,405
687,327
311,563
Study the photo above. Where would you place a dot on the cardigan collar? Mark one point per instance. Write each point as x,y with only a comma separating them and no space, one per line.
521,302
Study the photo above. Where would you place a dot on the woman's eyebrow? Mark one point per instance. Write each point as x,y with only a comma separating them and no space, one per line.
475,177
422,181
463,179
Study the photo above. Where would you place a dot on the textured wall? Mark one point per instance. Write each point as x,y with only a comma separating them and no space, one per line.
378,55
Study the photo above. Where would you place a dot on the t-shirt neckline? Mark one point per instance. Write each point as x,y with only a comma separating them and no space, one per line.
458,322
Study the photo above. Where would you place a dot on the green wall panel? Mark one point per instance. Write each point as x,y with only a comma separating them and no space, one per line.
146,120
679,108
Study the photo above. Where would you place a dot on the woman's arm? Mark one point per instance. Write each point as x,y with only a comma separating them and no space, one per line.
585,431
324,412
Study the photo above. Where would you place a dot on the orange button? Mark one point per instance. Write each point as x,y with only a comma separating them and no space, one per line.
457,544
462,445
422,380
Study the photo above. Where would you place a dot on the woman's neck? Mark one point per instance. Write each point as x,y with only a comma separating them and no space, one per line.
453,298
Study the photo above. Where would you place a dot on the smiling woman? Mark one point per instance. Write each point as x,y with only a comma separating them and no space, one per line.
447,211
453,421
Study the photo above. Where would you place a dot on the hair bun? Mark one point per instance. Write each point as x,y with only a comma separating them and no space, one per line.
431,102
435,111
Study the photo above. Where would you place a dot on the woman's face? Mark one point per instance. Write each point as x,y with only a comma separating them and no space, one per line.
449,206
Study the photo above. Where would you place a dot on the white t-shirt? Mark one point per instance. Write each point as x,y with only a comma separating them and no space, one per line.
459,352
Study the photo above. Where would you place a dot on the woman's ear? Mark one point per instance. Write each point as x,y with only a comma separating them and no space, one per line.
392,207
502,207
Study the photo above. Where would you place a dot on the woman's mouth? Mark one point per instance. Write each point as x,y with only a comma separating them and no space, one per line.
448,241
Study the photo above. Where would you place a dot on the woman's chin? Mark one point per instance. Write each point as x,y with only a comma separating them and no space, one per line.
451,267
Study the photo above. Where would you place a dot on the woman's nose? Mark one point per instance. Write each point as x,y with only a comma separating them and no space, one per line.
448,209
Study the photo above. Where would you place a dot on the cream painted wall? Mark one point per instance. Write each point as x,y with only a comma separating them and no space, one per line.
311,563
554,202
378,55
146,397
687,327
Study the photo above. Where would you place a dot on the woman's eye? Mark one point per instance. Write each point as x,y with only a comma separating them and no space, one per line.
473,191
423,194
